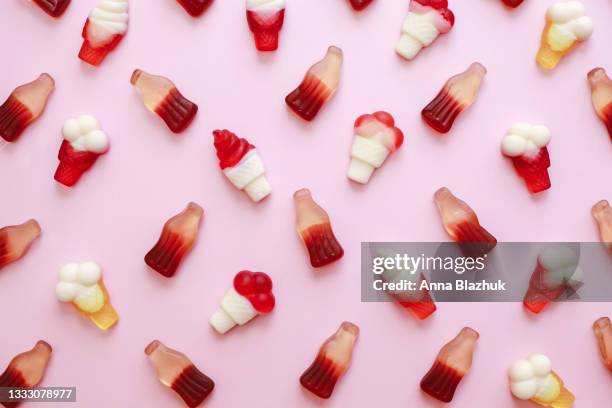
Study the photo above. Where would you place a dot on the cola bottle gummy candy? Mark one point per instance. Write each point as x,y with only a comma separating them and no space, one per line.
513,3
566,26
83,142
82,285
26,369
331,362
533,379
457,94
526,145
418,301
161,96
556,274
195,7
104,29
318,86
426,20
265,18
250,295
314,227
176,371
176,240
603,333
601,90
360,4
15,241
452,364
376,137
23,106
462,224
242,165
602,212
54,8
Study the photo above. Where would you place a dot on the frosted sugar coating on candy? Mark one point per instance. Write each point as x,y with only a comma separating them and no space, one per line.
84,134
528,377
570,20
111,15
524,138
77,280
262,5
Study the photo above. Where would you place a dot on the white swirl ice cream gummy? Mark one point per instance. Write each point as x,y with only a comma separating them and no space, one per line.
104,29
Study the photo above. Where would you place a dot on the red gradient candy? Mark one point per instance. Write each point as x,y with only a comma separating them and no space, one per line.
73,163
534,170
601,95
54,8
95,55
195,7
513,3
104,29
360,4
257,288
15,241
230,148
266,24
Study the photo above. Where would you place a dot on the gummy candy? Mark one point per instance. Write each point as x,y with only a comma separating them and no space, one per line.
376,137
457,94
265,18
314,227
26,369
83,143
556,274
533,379
360,4
318,86
250,296
176,240
242,164
602,212
461,223
161,96
601,88
24,105
176,371
195,7
15,241
54,8
418,301
82,285
526,145
426,20
331,362
566,26
452,364
104,29
513,3
603,332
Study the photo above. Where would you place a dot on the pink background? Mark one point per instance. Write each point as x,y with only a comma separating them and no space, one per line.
115,214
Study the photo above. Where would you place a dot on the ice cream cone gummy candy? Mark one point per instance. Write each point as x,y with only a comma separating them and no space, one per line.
83,143
176,371
15,241
54,8
418,301
23,106
376,137
82,285
331,362
603,333
602,212
176,240
195,7
360,4
242,165
318,86
104,29
426,20
601,91
26,369
533,379
265,18
250,296
566,26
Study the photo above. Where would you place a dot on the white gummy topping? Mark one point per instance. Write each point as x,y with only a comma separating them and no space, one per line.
261,5
561,263
529,376
84,134
369,151
248,169
77,280
421,27
525,138
111,15
235,309
570,18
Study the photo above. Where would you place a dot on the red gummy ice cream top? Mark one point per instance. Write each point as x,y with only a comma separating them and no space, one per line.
441,6
387,120
230,148
257,288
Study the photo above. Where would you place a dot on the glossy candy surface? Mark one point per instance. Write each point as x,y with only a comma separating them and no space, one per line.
513,3
603,333
418,301
360,4
602,212
54,8
265,18
104,29
195,7
601,94
15,241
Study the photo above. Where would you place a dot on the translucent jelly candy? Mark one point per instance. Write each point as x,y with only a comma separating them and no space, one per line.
83,286
566,26
418,301
426,20
195,7
533,379
318,86
452,364
513,3
265,18
104,29
161,96
23,106
175,370
331,362
360,4
54,8
603,332
177,239
601,88
83,143
556,273
314,227
602,212
242,164
376,137
458,94
461,223
15,241
26,369
526,145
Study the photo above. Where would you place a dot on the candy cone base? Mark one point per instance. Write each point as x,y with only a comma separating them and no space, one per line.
107,316
548,58
565,399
